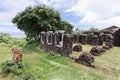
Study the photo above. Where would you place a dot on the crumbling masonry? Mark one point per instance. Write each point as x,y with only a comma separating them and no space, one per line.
57,42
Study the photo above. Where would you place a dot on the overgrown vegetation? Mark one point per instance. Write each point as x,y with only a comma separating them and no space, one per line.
6,39
41,65
10,67
16,69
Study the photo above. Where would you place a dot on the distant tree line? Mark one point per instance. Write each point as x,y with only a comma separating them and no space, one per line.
80,31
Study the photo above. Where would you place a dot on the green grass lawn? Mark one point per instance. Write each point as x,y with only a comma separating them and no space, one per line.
50,66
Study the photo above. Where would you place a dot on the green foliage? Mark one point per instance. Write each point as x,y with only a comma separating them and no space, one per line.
18,42
92,29
11,67
32,45
24,76
41,65
5,38
35,19
66,26
16,69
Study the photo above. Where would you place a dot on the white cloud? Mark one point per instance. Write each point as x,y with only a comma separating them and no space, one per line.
11,8
114,20
9,29
79,8
97,12
12,30
8,9
89,17
58,4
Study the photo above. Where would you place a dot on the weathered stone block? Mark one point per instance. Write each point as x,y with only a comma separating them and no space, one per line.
83,39
100,39
67,45
86,59
96,51
117,38
77,48
109,43
75,38
94,41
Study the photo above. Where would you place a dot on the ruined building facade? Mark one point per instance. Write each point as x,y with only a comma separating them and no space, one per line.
57,42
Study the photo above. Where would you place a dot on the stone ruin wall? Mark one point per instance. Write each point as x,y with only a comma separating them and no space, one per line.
51,42
117,38
63,43
93,39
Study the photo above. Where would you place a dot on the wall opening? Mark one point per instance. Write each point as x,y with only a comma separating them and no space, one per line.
42,39
49,37
59,38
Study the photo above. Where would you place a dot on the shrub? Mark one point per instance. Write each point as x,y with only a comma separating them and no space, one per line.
11,67
5,38
17,69
24,76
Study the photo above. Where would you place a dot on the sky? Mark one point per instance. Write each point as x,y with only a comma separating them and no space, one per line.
82,14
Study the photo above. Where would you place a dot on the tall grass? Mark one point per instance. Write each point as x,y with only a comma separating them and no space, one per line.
51,66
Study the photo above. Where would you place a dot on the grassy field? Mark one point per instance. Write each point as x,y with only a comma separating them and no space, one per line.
50,66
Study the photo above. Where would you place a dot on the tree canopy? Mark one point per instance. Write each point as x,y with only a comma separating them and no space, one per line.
35,19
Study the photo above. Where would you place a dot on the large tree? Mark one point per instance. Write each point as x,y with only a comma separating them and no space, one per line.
35,19
66,26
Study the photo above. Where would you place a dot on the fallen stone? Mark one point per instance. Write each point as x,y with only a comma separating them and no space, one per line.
96,51
77,48
86,59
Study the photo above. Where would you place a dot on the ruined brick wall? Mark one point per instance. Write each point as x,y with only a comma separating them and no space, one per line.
67,45
96,38
110,40
75,38
43,40
17,54
117,38
94,41
89,38
63,46
100,41
83,39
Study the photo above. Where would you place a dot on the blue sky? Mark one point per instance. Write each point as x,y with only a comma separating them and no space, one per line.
83,14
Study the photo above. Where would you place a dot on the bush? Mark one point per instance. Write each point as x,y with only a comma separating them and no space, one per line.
24,76
11,67
5,38
32,45
17,69
19,43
